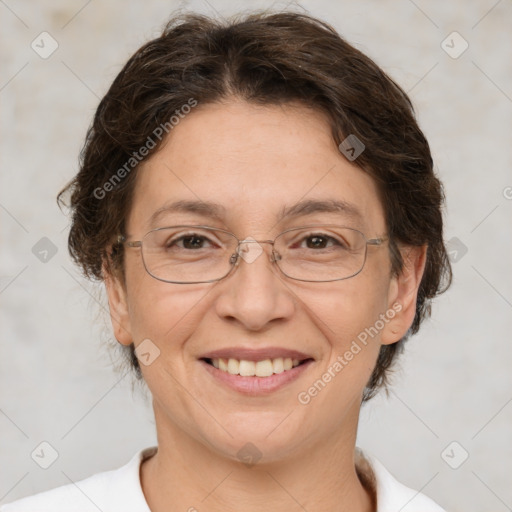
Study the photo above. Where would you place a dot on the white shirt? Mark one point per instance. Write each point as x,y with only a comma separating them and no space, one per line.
120,490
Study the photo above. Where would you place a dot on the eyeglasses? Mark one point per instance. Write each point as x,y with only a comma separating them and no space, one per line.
188,254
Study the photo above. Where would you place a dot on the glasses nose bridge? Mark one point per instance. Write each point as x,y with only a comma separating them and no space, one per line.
235,258
249,241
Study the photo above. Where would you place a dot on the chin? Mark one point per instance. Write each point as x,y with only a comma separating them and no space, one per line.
259,437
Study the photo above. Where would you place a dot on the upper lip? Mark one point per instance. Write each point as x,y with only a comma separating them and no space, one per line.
251,354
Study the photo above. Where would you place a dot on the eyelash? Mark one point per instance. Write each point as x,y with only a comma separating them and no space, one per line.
170,243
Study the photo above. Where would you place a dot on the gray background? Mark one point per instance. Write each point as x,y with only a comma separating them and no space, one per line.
454,382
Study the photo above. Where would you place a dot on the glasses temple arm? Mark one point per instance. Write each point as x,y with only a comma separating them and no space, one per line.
377,241
121,240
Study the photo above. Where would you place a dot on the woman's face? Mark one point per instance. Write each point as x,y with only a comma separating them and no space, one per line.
253,162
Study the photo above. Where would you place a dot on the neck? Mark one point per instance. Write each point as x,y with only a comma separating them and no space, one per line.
192,477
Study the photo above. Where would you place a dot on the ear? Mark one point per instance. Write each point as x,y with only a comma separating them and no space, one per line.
403,292
118,307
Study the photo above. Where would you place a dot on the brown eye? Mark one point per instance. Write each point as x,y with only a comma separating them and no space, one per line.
192,241
189,242
321,241
317,242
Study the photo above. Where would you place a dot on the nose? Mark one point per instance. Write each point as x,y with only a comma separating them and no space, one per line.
254,293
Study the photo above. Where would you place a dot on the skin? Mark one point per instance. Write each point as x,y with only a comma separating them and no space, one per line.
254,160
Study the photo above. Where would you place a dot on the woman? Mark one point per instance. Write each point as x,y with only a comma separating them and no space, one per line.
261,205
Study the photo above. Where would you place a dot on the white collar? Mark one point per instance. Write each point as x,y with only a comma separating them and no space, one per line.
120,490
392,496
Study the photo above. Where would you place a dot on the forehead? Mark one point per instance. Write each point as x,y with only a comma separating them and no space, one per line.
253,167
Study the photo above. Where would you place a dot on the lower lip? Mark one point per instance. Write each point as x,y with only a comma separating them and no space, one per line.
257,385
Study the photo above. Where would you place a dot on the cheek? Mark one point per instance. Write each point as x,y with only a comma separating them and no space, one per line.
167,316
347,319
350,317
165,313
350,308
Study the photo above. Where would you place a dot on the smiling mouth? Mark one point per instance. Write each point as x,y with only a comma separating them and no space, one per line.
263,368
256,372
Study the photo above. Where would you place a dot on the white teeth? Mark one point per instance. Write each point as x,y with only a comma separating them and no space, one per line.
233,366
264,368
278,365
247,368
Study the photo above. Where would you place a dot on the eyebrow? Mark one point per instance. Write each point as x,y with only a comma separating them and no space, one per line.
204,208
218,212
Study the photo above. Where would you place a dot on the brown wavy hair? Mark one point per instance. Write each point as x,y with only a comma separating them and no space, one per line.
268,59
